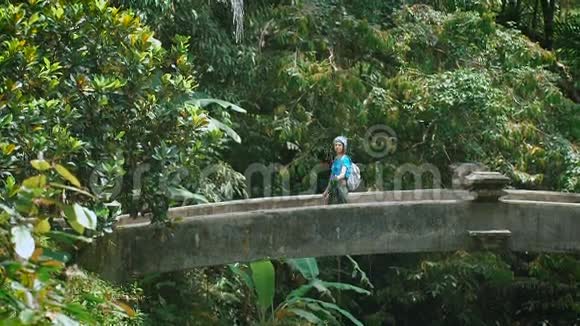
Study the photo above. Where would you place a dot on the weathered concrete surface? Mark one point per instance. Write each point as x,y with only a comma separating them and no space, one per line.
372,223
237,206
542,196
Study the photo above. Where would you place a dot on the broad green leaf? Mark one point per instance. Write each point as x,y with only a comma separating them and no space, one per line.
333,306
263,277
181,193
329,317
40,165
301,291
67,175
357,270
76,226
203,102
37,181
23,241
321,287
308,267
310,317
324,287
344,286
215,124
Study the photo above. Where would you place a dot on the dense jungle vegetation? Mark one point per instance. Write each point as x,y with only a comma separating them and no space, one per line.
94,93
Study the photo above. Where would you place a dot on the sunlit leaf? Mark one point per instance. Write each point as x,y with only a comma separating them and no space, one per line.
101,4
40,165
126,308
71,217
42,226
85,217
23,241
67,175
37,181
8,149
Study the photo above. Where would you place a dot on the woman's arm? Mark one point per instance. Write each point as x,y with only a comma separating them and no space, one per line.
342,174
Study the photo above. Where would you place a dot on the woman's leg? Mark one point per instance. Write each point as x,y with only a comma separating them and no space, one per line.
342,194
338,194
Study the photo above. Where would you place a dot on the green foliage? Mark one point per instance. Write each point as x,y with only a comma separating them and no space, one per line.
567,39
263,280
473,288
203,296
567,45
308,267
105,303
298,306
36,287
453,87
88,84
470,5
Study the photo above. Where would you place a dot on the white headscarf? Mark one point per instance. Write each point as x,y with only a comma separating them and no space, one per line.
342,140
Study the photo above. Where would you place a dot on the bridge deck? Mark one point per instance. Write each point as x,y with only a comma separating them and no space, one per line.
300,226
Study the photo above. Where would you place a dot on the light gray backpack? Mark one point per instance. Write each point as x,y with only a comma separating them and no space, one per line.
353,180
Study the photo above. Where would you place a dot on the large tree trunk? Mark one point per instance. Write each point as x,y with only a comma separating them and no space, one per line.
535,15
548,9
533,30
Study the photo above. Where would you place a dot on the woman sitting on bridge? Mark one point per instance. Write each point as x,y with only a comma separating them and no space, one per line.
336,192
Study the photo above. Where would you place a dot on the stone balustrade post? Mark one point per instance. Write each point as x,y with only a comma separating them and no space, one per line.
486,186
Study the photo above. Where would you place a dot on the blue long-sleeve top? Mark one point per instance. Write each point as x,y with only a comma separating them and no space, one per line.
337,165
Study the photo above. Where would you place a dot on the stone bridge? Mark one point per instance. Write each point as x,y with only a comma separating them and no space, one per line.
484,216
